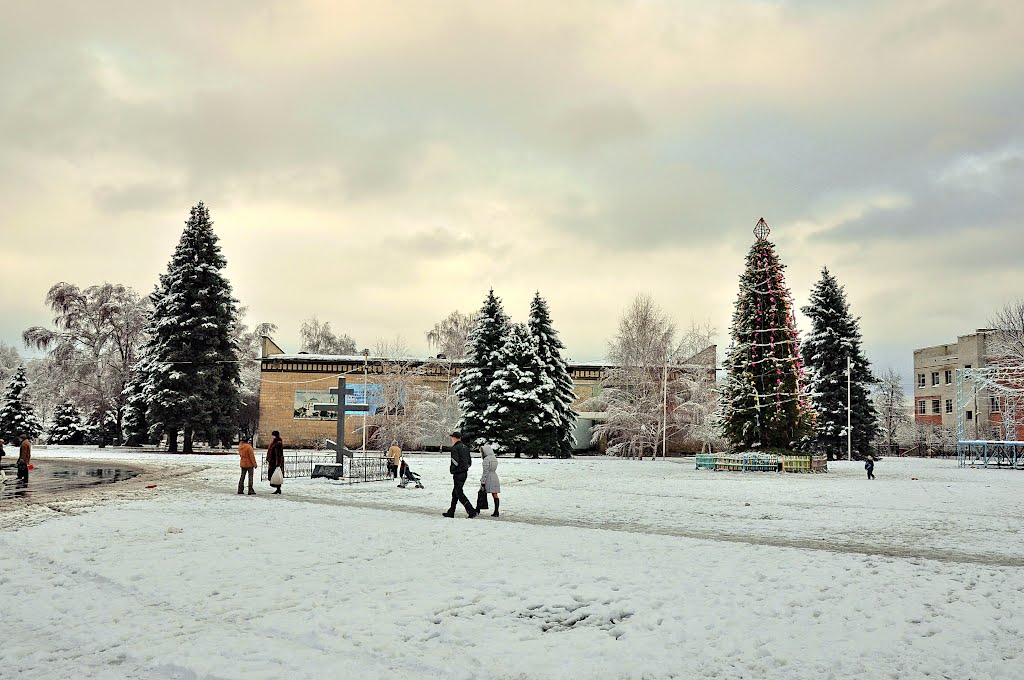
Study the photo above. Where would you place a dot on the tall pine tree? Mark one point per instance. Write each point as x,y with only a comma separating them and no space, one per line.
549,349
521,403
67,425
835,336
16,414
483,359
193,387
764,402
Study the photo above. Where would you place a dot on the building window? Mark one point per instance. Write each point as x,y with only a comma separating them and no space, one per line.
921,380
935,378
949,377
967,365
949,406
970,415
993,403
922,407
936,407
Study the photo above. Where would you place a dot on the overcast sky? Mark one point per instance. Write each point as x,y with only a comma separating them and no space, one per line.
380,164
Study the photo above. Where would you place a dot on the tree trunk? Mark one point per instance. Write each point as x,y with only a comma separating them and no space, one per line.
172,441
187,443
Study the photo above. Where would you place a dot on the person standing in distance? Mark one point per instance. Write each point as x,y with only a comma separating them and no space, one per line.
459,468
275,458
24,457
248,463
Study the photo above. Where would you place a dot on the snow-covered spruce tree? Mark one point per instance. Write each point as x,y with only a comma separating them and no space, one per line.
16,414
521,399
193,386
100,427
133,414
549,349
67,425
483,359
765,404
834,337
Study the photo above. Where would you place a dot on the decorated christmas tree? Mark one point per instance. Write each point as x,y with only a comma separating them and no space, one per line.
67,425
549,348
16,414
193,387
473,386
764,404
521,404
834,338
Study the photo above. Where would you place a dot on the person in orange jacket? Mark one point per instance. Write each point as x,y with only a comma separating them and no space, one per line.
248,463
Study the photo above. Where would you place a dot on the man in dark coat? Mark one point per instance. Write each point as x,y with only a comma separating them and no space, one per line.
275,458
869,465
461,460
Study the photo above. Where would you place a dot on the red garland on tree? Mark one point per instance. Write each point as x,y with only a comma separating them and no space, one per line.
764,402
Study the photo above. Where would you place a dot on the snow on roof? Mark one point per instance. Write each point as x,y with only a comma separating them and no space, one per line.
359,358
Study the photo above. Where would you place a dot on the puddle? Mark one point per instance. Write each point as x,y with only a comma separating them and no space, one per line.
52,476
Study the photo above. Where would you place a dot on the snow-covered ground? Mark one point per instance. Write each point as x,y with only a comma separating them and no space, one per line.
597,569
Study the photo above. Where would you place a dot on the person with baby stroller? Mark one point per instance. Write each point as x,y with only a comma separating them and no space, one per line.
406,475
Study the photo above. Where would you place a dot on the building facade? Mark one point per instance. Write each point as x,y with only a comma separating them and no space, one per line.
935,385
292,385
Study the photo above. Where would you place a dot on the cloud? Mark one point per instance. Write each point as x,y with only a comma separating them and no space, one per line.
589,149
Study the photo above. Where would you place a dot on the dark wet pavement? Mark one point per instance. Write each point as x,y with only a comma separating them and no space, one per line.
52,476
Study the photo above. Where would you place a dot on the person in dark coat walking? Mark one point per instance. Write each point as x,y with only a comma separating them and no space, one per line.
869,465
459,468
275,458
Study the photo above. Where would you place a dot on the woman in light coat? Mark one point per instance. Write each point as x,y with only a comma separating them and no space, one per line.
489,478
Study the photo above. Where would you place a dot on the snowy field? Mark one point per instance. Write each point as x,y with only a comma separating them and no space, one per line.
597,569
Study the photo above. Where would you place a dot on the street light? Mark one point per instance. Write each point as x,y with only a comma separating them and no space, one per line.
366,400
849,408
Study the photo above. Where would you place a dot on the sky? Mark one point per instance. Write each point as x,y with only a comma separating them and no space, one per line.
382,164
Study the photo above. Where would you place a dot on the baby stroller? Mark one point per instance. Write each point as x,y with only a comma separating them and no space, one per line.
406,474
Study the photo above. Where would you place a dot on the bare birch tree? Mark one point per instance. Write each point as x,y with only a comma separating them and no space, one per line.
1007,344
891,405
659,385
96,341
317,338
448,336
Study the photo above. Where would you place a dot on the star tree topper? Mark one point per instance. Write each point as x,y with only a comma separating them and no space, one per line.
761,230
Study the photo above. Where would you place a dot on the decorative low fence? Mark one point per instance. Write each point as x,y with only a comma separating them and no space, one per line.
352,470
761,462
297,465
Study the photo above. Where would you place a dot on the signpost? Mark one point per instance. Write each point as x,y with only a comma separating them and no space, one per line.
337,470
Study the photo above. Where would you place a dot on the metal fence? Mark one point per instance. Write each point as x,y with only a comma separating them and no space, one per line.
760,462
355,469
298,465
914,450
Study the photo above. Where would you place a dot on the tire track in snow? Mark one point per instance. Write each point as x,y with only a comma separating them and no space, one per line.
824,545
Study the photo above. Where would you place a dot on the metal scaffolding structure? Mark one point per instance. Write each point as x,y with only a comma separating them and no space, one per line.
1003,388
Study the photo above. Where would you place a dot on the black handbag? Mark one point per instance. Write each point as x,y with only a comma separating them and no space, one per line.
481,499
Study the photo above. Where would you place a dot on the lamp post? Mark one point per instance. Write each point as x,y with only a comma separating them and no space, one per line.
366,400
664,410
849,408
